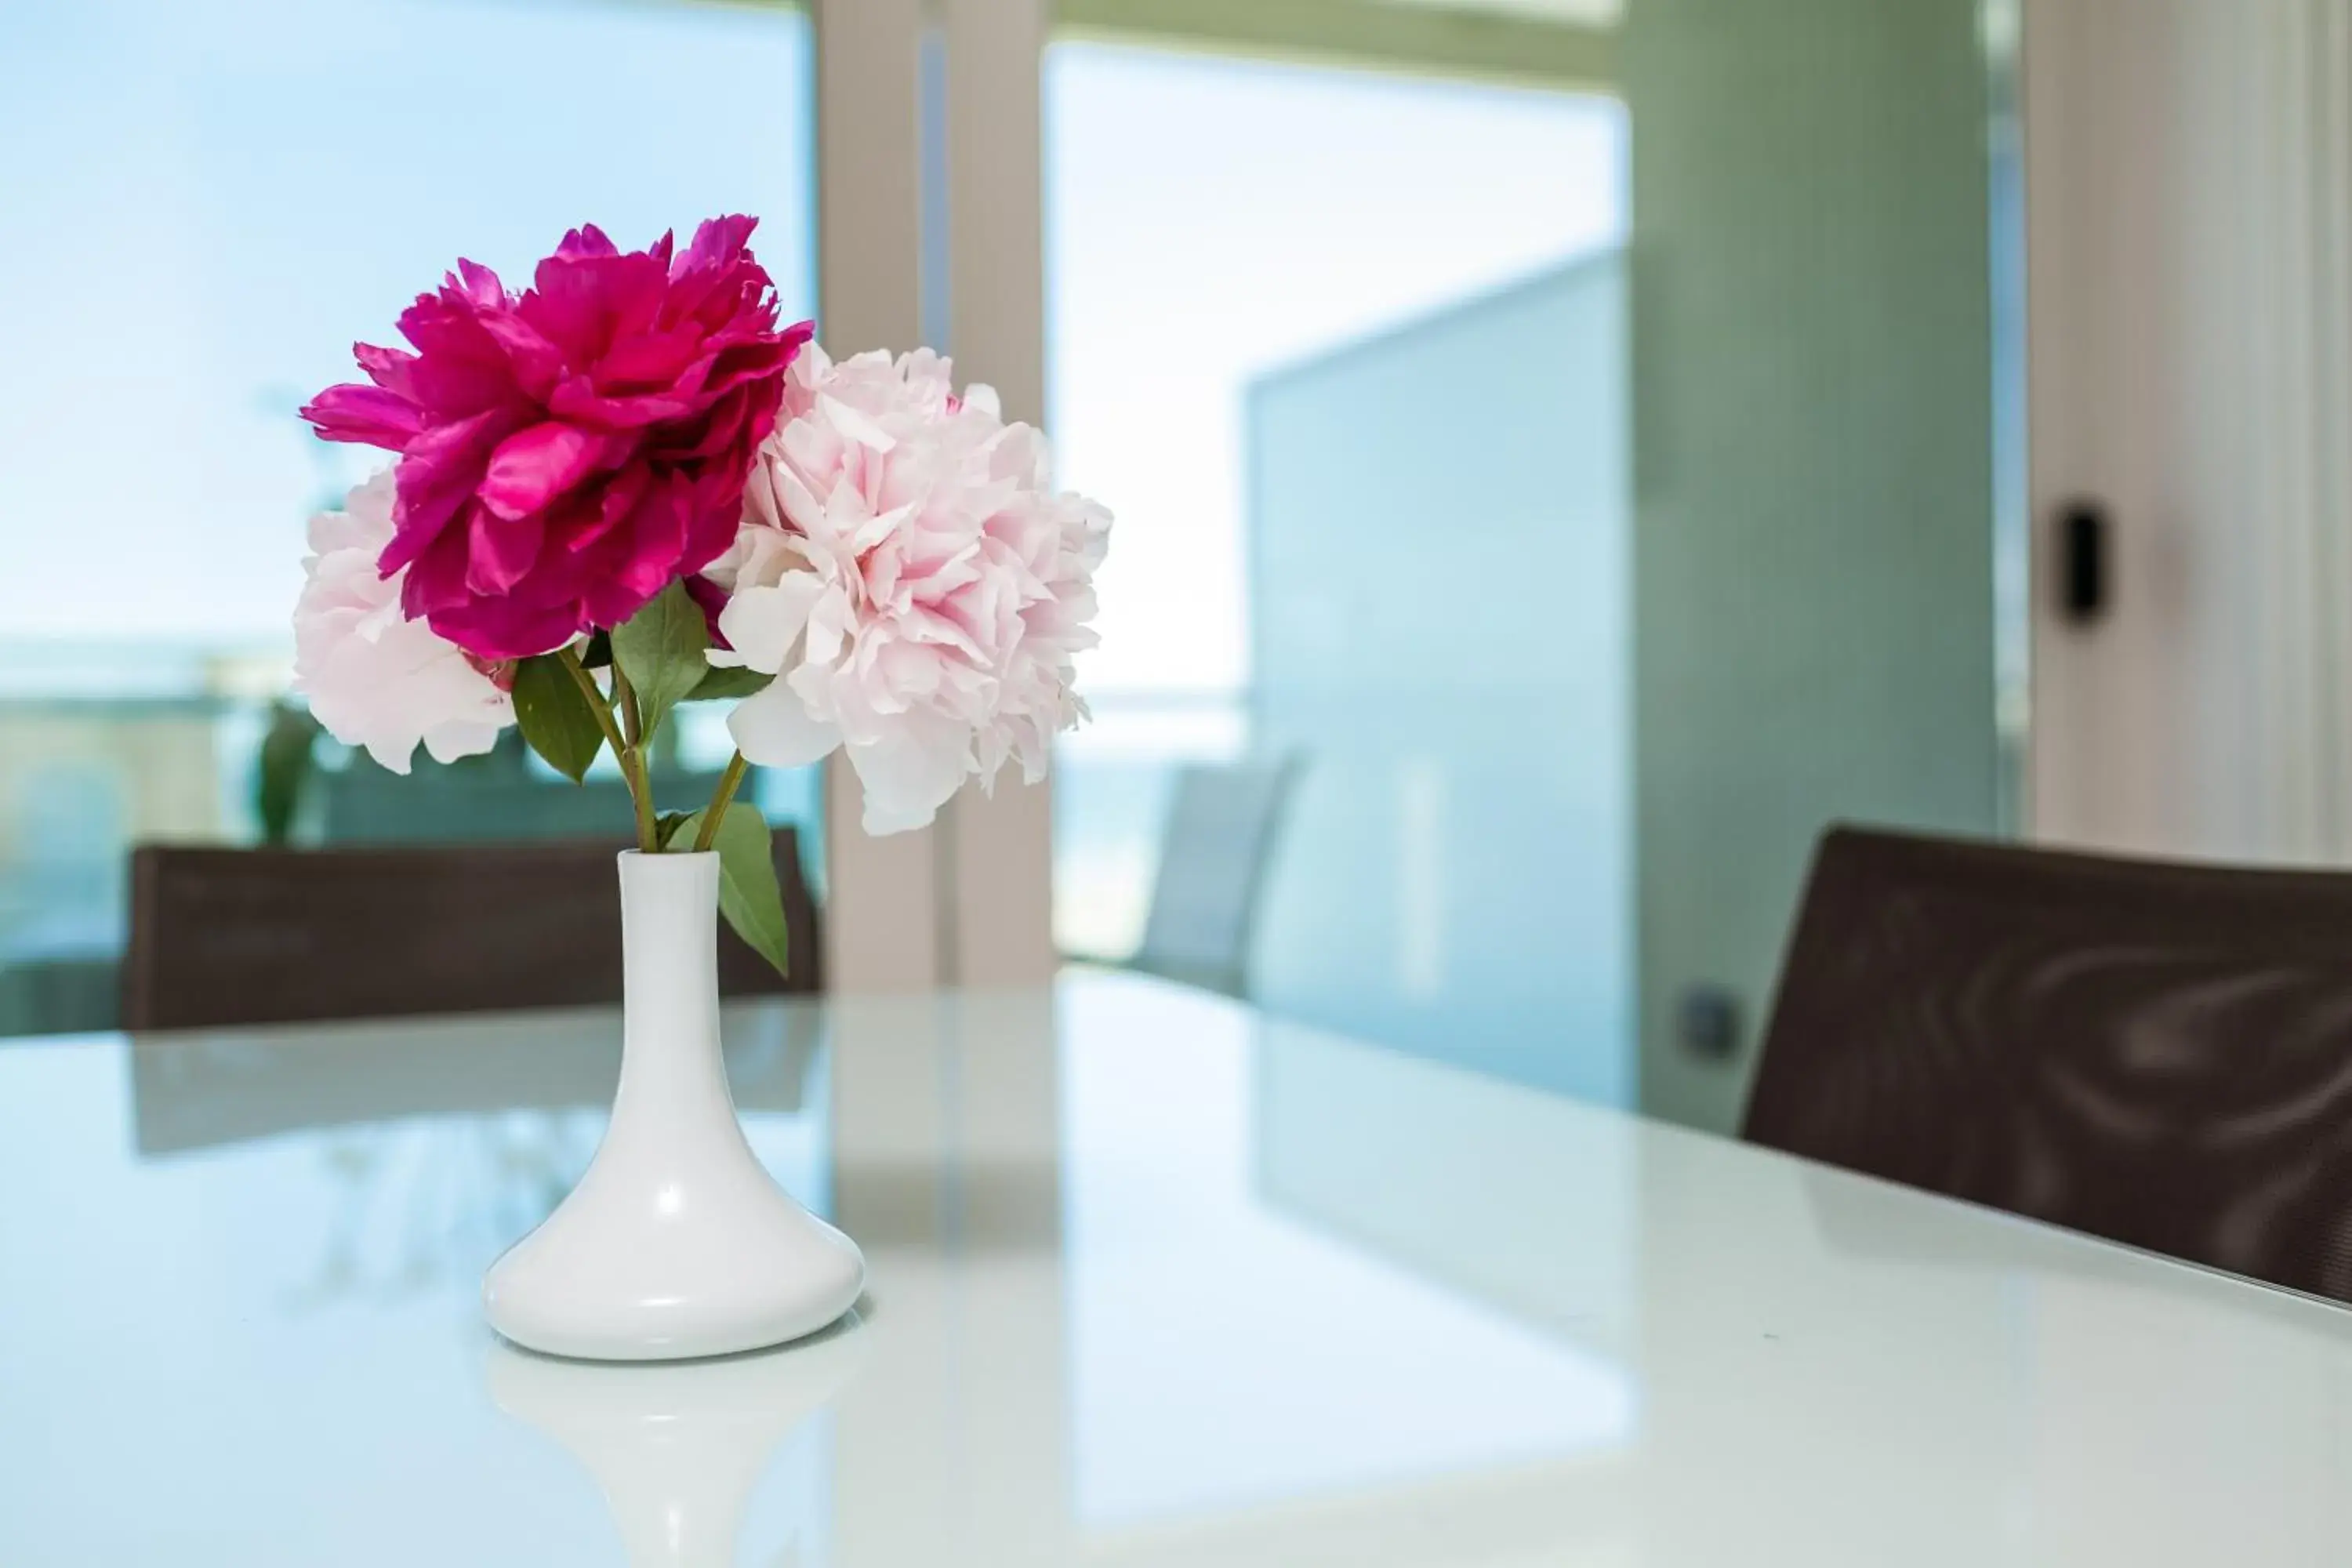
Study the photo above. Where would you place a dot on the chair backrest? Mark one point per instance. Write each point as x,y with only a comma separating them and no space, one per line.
1213,861
228,937
2160,1054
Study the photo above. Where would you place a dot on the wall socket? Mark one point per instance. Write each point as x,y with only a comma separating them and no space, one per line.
1706,1023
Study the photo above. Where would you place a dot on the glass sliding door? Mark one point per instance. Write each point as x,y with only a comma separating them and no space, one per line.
1566,471
1235,305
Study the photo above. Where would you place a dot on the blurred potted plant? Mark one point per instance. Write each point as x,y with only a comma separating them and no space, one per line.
281,774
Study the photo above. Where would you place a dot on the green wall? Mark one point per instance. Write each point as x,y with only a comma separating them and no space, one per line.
1813,494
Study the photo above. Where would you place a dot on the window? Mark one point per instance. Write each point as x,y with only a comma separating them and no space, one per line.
208,203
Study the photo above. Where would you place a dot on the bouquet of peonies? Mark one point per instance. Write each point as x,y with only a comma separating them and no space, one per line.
629,486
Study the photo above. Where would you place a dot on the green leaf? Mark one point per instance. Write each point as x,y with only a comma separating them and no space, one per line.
748,893
721,682
660,649
554,717
667,825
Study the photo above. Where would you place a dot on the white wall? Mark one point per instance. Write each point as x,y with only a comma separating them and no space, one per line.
2189,170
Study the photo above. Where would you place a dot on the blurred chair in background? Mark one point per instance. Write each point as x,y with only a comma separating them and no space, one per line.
62,896
2158,1054
1221,830
67,990
228,937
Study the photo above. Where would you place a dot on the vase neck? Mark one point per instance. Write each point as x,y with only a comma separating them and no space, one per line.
670,1061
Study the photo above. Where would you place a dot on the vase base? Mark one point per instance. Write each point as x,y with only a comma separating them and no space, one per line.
675,1279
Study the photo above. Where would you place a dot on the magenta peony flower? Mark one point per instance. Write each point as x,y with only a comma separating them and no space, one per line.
566,454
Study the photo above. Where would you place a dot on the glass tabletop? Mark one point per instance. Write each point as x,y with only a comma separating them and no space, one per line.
1153,1279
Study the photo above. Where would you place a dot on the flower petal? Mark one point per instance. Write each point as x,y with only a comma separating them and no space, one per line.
368,415
773,728
500,551
530,467
910,772
376,679
761,623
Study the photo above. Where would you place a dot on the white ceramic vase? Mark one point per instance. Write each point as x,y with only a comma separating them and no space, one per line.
677,1242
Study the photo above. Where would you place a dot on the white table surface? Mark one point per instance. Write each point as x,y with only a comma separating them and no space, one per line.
1153,1283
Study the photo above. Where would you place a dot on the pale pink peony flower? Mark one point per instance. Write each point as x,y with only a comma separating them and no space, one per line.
907,573
375,678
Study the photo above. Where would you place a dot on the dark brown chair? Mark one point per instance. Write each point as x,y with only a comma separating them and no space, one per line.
2158,1054
228,937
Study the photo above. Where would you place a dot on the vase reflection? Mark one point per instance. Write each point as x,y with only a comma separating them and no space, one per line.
679,1448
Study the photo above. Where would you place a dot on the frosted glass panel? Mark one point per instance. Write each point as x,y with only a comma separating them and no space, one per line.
1441,641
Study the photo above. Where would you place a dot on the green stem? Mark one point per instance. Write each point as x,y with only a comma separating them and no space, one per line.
633,772
721,799
625,700
596,703
641,792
